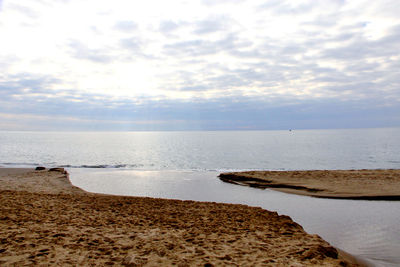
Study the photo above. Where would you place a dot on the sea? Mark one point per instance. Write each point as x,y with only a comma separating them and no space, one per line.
185,165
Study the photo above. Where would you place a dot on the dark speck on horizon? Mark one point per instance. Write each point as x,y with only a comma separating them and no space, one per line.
199,65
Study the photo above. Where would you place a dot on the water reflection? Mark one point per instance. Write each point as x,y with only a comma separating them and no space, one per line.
368,229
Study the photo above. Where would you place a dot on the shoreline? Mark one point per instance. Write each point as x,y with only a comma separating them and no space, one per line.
381,184
48,220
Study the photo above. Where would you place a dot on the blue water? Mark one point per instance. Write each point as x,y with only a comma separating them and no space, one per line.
185,165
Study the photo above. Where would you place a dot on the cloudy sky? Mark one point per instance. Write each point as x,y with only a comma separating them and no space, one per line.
199,64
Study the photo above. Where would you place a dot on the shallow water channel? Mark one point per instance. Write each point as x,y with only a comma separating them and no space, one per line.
369,230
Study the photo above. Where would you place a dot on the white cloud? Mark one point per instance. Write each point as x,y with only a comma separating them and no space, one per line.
204,49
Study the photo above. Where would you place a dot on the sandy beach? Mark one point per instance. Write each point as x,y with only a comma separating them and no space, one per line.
340,184
46,220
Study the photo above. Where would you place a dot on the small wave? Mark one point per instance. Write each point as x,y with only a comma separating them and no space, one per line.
22,164
84,166
104,166
234,170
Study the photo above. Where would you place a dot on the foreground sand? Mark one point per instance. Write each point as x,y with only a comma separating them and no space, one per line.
44,220
346,184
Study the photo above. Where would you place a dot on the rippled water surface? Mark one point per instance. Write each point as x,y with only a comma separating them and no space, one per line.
228,150
185,165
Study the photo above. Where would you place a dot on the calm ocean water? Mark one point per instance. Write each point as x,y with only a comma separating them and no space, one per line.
185,165
202,151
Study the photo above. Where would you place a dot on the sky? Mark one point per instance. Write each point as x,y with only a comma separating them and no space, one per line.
94,65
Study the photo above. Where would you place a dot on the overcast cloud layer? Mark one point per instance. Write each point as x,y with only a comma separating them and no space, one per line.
195,65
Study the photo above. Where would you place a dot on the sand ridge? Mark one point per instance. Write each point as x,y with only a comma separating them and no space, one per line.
346,184
68,226
28,180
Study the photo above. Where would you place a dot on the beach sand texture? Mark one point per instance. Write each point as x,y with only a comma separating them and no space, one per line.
45,220
345,184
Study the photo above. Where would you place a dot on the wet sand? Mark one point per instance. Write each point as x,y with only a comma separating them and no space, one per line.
340,184
46,220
